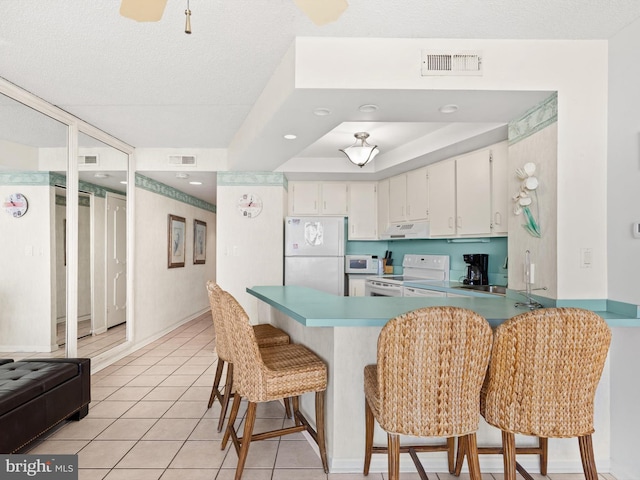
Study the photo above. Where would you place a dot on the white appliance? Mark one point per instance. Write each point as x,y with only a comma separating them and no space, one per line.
415,267
398,231
314,253
366,264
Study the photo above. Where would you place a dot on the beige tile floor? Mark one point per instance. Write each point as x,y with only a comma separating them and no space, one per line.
149,420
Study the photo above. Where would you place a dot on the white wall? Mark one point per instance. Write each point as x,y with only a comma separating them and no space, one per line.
541,149
167,296
623,251
250,251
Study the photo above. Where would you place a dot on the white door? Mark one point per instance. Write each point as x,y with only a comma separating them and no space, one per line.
116,257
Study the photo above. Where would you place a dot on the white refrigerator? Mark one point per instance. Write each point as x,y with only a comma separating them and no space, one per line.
314,253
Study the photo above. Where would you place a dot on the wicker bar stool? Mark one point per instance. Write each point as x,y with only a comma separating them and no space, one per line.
542,379
266,335
431,364
271,374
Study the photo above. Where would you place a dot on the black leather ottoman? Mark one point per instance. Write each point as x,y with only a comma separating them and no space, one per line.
36,395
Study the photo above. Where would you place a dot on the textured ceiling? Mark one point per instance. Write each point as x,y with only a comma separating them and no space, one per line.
151,85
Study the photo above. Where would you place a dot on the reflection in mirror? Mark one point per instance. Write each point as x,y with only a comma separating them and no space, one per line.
33,161
102,251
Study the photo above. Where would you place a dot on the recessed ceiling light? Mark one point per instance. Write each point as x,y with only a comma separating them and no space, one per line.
195,183
321,112
367,108
100,175
451,108
290,136
182,175
123,182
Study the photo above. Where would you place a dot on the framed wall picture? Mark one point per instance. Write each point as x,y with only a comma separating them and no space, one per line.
199,242
177,231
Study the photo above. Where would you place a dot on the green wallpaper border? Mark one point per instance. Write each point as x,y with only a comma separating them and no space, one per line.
51,179
274,179
159,188
534,120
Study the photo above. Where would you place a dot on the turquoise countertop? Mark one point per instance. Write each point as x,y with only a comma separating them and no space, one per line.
313,308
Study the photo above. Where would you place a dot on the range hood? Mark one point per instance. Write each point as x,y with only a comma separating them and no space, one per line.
406,230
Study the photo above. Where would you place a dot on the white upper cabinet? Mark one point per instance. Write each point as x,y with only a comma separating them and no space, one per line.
363,211
318,198
473,193
442,198
417,195
383,205
397,198
500,197
408,196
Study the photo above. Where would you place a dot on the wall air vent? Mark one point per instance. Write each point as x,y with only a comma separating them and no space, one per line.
189,160
457,63
87,160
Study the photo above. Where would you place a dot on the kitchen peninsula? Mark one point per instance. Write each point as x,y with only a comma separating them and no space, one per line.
344,332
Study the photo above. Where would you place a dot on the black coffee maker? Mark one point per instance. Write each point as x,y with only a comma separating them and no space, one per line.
477,267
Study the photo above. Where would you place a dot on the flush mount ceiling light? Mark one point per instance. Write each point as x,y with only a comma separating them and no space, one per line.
290,136
361,153
195,183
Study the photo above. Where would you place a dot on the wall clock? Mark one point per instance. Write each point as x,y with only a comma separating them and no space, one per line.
249,205
16,205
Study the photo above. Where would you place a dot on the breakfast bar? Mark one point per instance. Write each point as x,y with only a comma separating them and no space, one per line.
344,332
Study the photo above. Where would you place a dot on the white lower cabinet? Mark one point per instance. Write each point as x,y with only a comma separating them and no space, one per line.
356,286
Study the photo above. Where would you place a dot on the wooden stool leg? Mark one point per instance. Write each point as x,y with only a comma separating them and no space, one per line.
296,410
322,445
228,392
451,453
393,456
368,436
471,447
543,444
460,456
216,382
232,420
249,421
509,455
586,454
287,407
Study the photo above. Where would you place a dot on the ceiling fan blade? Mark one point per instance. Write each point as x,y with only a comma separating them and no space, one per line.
143,10
322,12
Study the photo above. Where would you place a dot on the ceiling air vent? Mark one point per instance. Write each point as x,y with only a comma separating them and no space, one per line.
182,160
87,159
458,63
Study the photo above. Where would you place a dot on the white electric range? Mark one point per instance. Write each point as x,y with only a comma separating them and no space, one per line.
415,267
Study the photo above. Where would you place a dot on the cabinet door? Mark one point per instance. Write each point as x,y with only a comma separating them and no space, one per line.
356,287
383,205
500,197
417,195
334,198
473,193
397,198
442,199
303,198
363,216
